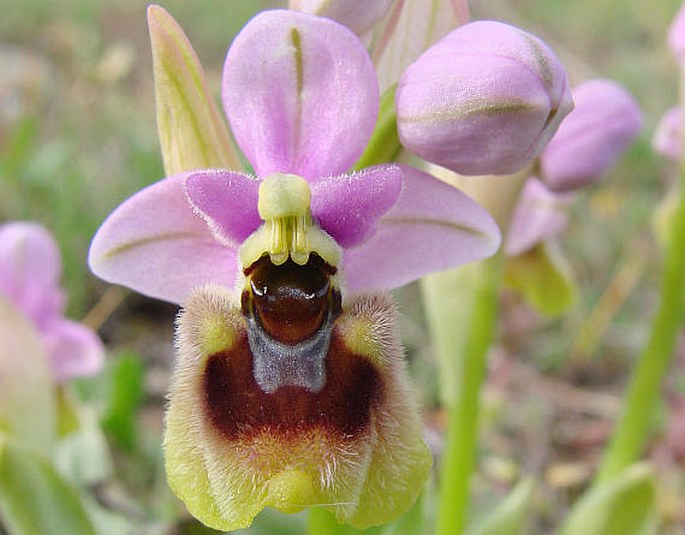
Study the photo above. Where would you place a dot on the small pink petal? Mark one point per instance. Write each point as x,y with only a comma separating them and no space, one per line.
155,244
300,93
433,227
228,203
74,349
540,214
30,268
667,137
348,207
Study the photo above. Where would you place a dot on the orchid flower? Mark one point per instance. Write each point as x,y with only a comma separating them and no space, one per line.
30,268
289,388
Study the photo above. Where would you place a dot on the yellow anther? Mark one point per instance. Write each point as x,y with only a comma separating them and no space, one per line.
284,206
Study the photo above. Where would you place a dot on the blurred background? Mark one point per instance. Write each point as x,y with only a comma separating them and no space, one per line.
78,136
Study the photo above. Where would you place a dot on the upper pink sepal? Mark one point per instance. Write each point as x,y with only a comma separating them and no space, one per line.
300,93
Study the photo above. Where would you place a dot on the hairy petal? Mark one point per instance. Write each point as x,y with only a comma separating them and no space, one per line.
348,207
30,268
300,93
155,244
232,449
432,227
228,203
74,349
192,132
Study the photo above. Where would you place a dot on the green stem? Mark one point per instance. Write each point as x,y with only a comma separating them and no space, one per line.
459,456
633,427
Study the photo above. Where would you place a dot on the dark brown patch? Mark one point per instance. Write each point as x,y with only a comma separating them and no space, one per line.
237,406
290,302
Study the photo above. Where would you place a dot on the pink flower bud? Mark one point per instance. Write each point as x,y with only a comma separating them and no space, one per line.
358,15
486,99
593,137
666,141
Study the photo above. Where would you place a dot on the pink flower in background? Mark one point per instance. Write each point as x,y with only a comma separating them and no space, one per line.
301,98
540,214
667,139
676,35
485,99
605,121
30,269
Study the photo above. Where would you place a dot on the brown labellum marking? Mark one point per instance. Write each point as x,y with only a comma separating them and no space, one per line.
290,302
238,407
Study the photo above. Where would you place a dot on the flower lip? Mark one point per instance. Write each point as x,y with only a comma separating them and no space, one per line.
289,411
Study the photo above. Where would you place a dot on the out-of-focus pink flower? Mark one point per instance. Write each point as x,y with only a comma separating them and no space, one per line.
540,214
485,99
309,111
30,269
667,138
676,35
605,121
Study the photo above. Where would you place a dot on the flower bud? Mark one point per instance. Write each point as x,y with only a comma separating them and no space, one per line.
666,141
604,122
358,15
486,99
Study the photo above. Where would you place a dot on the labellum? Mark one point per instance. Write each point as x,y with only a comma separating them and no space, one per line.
296,395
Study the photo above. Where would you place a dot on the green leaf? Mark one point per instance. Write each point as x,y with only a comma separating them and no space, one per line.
624,505
27,401
384,145
125,394
544,279
509,517
83,455
192,132
34,499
